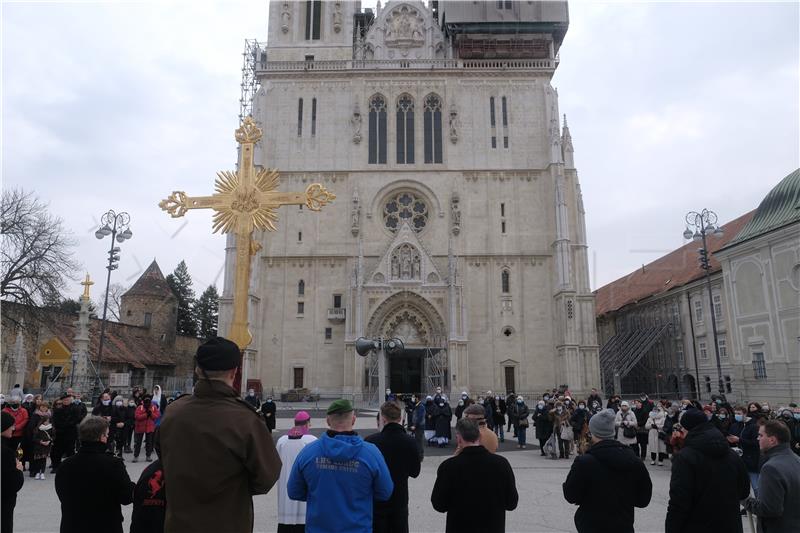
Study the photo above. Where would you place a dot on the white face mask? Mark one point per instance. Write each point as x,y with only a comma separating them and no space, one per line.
119,404
106,402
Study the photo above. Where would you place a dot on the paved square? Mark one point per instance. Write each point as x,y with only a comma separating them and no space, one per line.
541,509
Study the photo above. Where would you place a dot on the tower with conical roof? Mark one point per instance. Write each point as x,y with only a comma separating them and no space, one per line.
150,303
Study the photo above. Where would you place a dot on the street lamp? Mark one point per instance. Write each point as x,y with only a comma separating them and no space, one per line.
116,225
705,224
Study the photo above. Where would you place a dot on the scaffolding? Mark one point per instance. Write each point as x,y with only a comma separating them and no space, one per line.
253,58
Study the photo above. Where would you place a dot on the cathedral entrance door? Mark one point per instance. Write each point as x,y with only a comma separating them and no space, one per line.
405,371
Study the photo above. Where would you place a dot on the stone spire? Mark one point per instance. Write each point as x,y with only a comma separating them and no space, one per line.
80,350
566,146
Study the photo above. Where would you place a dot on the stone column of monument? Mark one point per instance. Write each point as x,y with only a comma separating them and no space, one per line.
80,378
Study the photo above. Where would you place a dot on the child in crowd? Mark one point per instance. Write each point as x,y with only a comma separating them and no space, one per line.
42,443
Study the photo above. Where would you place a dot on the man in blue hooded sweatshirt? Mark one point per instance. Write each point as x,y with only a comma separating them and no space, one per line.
339,476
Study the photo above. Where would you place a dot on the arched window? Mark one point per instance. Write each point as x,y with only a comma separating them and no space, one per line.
405,129
377,129
433,129
505,282
301,288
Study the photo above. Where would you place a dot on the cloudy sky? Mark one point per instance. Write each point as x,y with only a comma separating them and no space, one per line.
672,107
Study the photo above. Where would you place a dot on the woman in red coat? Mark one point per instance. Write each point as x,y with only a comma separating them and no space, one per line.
144,427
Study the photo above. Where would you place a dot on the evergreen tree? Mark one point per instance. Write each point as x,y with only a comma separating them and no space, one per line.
181,284
207,312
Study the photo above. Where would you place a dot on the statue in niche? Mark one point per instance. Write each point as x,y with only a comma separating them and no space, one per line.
355,214
405,263
455,213
337,17
453,123
286,17
405,272
355,123
395,267
415,268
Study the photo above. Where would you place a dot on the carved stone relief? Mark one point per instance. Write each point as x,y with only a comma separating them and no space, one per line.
405,263
355,214
337,16
286,17
454,123
355,124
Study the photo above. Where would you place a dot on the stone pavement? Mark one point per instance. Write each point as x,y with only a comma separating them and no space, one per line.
541,509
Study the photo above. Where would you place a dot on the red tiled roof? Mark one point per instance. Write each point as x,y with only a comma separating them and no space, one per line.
151,283
123,343
673,270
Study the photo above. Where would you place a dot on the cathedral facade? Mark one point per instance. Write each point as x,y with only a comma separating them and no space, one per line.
458,225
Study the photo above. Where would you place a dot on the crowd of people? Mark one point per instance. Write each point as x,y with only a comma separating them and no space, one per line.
743,458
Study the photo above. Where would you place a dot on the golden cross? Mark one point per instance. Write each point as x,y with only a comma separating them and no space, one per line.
244,201
86,284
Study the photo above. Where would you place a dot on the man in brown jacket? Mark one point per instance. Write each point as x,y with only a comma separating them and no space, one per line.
216,450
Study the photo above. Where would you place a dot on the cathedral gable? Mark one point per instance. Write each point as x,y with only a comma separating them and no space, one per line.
404,30
406,262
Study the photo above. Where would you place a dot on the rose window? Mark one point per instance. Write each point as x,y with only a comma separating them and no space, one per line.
405,207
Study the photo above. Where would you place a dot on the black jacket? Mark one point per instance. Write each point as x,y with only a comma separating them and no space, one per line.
708,481
748,442
541,419
12,480
269,408
149,501
475,488
92,486
607,482
402,458
66,419
444,415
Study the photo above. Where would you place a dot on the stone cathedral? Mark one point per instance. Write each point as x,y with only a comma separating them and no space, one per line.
458,225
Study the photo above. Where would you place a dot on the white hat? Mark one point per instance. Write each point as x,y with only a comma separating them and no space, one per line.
624,404
520,398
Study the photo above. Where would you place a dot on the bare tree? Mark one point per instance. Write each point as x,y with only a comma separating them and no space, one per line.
115,292
36,250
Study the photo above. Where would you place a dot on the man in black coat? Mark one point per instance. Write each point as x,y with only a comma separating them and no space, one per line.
268,410
403,459
93,485
607,482
12,479
708,481
65,421
474,473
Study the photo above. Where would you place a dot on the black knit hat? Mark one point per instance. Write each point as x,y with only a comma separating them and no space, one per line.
693,418
218,353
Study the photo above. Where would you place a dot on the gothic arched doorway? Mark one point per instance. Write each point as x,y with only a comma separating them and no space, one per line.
414,320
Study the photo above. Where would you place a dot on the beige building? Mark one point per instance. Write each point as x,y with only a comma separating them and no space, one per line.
458,225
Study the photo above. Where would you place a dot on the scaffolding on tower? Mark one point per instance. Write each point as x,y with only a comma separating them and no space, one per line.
254,58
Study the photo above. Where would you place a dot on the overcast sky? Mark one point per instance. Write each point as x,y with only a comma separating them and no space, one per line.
672,107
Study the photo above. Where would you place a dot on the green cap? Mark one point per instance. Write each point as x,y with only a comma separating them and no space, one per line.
340,406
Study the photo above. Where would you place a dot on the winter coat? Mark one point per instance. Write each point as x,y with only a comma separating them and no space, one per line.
130,416
103,410
459,411
254,401
641,419
20,415
145,419
418,416
559,419
42,435
748,442
12,480
544,426
66,420
92,487
430,416
521,413
607,482
401,454
118,416
149,501
444,415
578,419
217,454
268,410
708,481
620,420
339,476
475,473
654,425
778,492
499,415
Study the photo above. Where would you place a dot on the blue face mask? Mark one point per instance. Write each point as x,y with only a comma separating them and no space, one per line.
797,416
739,418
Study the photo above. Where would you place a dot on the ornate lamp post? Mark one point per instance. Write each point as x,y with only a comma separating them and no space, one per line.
704,224
116,225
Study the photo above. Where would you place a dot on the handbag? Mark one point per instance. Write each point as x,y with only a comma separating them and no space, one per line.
566,432
551,447
629,432
523,422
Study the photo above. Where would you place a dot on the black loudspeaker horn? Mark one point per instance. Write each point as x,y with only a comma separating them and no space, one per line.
364,346
393,346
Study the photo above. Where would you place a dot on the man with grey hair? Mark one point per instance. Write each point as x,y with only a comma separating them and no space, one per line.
488,439
473,472
607,481
92,485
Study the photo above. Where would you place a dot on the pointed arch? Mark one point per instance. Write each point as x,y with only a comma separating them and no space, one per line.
405,129
433,128
377,129
301,288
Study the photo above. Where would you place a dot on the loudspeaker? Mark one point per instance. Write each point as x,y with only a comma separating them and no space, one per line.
364,346
393,346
